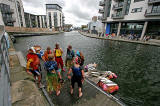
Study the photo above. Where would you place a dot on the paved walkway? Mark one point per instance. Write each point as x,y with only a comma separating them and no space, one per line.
92,96
150,42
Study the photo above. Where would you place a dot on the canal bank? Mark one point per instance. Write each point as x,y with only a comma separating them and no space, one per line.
150,42
24,91
136,65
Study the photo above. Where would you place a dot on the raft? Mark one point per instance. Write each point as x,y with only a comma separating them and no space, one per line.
101,78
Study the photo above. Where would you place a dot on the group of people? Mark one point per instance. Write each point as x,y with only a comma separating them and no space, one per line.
53,64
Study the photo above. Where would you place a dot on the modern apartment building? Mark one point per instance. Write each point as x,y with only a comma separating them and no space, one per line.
54,16
38,21
12,13
141,17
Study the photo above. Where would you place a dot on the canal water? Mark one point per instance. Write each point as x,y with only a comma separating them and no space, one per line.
137,66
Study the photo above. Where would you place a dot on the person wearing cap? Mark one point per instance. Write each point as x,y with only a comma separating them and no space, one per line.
78,76
58,56
52,77
46,53
33,63
69,57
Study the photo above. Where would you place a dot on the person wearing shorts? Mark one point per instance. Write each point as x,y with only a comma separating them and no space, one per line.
78,76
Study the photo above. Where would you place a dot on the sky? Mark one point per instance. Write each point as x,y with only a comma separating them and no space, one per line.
76,12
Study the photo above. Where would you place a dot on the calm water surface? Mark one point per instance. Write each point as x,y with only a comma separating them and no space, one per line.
137,66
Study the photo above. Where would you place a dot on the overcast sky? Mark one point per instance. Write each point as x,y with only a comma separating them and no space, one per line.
77,12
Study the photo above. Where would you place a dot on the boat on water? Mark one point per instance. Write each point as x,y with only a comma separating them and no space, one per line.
101,78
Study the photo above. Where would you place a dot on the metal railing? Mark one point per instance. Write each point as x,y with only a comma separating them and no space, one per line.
117,16
153,1
153,12
5,97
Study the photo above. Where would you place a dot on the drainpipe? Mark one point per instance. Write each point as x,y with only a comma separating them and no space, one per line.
144,30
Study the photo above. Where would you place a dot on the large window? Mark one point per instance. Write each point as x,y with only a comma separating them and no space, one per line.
50,20
38,21
135,10
109,8
6,14
128,6
55,19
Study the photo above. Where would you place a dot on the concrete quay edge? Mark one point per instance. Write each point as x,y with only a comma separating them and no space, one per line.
121,40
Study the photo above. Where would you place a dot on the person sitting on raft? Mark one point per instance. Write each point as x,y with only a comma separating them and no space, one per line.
78,76
52,78
32,66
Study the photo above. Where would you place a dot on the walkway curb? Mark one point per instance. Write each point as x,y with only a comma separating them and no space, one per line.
121,40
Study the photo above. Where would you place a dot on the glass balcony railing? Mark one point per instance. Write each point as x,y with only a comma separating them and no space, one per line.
117,16
153,12
101,18
118,6
101,3
101,10
153,1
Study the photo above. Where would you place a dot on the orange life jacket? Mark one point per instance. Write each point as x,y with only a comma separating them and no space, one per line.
34,61
46,55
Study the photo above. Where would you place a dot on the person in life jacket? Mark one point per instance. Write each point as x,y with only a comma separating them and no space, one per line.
39,51
58,56
81,57
69,57
78,76
33,63
52,77
46,53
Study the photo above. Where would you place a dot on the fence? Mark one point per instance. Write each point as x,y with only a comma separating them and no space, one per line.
5,98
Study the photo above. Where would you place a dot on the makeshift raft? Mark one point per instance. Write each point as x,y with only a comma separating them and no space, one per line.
101,78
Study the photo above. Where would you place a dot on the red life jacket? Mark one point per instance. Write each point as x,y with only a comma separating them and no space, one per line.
36,62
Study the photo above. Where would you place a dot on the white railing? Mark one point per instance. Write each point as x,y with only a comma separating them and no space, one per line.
5,97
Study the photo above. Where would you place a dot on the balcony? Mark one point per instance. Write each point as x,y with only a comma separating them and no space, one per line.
101,18
117,16
101,3
101,11
153,1
10,20
11,11
153,13
118,6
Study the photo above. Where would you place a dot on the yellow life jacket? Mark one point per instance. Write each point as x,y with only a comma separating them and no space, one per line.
58,52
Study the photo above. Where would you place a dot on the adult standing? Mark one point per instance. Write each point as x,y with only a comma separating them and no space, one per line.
33,64
58,56
69,57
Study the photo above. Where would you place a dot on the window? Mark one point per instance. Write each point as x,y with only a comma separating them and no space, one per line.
135,10
55,19
138,0
50,21
128,7
156,9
